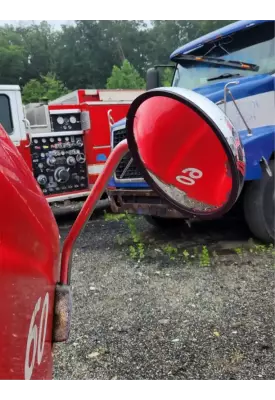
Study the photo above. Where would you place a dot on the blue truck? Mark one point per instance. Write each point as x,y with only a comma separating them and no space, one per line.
235,68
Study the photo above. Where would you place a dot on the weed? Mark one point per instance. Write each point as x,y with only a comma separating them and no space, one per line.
136,237
114,217
133,252
236,357
239,251
137,250
171,251
204,257
186,255
140,247
260,248
130,221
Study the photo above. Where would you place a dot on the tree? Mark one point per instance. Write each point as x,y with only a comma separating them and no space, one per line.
125,77
39,42
83,55
47,87
12,56
126,40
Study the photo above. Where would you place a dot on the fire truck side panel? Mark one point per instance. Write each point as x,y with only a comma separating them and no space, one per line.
98,141
29,270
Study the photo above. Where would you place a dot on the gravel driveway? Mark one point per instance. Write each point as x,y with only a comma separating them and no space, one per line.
167,316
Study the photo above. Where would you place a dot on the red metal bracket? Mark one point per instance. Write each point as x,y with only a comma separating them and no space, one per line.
66,258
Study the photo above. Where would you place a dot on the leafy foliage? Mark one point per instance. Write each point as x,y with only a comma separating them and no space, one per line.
12,56
125,77
47,87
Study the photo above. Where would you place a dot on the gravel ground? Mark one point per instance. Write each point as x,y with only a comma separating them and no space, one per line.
165,318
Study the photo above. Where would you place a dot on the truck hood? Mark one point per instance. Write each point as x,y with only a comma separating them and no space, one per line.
248,86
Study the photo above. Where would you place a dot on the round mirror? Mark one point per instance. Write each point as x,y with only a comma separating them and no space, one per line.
187,150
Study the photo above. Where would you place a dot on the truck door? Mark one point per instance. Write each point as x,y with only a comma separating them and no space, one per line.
12,119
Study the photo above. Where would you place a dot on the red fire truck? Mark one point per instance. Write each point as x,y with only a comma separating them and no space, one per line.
65,142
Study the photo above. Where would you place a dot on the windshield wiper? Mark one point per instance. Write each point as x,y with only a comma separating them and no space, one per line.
223,76
183,58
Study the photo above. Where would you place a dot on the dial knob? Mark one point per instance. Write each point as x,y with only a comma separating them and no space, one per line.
71,160
80,158
51,161
61,175
79,143
42,179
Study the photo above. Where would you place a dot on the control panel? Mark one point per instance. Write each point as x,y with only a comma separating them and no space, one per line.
65,122
59,163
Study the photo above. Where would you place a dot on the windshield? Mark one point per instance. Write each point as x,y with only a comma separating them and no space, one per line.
191,75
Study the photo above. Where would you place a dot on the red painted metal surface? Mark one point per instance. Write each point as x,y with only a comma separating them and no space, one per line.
98,137
119,151
29,270
24,150
191,142
57,107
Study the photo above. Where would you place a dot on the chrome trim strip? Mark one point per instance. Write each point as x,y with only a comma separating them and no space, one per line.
50,134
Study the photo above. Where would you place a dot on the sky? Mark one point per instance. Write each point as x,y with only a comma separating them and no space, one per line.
55,23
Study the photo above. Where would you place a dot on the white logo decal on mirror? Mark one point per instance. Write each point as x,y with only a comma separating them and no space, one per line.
192,175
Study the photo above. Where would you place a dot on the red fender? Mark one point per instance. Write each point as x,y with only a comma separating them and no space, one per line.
29,270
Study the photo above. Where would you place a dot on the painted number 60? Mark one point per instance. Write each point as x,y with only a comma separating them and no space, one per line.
35,336
191,175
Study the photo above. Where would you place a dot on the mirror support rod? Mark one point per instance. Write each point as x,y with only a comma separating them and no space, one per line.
86,211
227,90
239,111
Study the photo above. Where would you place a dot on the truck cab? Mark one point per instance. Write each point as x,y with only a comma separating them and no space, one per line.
234,67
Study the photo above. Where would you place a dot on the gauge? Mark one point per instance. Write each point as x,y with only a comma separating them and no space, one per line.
35,141
52,140
60,120
72,120
70,126
67,139
43,140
